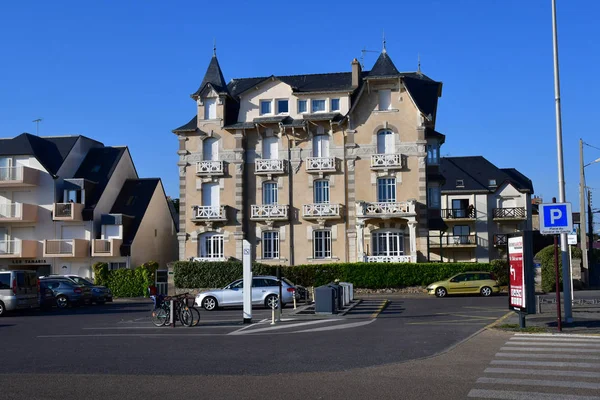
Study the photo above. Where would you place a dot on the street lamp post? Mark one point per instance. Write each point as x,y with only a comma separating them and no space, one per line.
582,220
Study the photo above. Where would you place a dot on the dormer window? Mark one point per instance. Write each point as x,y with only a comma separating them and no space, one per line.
460,183
492,182
318,106
265,107
282,106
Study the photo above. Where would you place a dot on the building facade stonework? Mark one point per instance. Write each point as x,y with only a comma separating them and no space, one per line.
339,167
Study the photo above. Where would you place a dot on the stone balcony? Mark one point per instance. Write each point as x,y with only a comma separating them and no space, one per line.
321,211
389,259
387,161
320,165
210,168
209,214
269,212
386,210
269,166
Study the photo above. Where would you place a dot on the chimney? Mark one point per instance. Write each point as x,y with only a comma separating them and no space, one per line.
356,72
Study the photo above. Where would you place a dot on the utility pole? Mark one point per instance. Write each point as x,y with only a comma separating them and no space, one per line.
582,222
561,173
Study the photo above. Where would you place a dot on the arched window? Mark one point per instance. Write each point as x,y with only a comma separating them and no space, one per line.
385,142
321,191
210,246
210,149
270,193
387,243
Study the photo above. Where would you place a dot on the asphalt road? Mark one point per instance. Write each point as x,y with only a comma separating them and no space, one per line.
119,338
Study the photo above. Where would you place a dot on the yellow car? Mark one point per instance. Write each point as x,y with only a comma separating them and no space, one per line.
481,282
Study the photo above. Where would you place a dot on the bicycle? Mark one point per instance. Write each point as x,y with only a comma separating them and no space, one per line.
161,315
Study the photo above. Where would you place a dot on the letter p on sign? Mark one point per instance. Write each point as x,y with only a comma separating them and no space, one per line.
555,214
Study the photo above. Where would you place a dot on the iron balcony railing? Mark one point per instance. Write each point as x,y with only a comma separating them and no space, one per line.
320,164
209,213
458,213
510,213
269,211
269,166
320,210
389,259
500,239
209,167
387,161
453,240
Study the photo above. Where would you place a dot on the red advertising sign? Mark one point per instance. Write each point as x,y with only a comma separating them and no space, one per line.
516,272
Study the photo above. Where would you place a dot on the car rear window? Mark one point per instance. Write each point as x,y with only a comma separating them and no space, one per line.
5,280
286,280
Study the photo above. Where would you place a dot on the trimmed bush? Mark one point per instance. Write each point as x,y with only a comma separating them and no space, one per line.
500,270
190,274
126,282
546,257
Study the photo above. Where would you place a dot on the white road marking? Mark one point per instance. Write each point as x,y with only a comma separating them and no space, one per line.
559,356
541,382
515,395
150,335
116,328
276,327
555,339
336,327
555,335
547,363
554,344
554,349
550,372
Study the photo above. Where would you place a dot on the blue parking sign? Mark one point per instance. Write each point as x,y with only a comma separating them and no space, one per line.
556,218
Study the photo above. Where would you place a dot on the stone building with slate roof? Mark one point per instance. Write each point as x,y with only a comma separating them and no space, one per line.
330,167
481,205
69,202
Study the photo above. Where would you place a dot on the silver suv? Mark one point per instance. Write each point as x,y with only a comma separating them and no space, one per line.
18,289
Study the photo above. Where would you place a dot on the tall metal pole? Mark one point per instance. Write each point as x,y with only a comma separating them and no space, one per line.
582,221
561,174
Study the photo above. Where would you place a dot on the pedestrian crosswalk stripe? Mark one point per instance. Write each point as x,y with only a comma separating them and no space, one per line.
560,356
556,335
546,372
554,344
555,339
541,382
516,395
547,363
553,349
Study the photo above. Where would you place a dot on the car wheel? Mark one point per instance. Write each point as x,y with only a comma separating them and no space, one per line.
441,292
209,303
486,291
271,301
62,302
2,309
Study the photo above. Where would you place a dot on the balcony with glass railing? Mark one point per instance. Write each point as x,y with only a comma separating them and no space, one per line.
319,165
264,166
509,214
18,212
18,176
389,259
387,161
106,247
17,248
210,168
321,211
209,213
77,248
265,212
67,212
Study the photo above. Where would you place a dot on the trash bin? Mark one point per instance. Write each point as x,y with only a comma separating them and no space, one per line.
346,287
339,295
350,290
325,300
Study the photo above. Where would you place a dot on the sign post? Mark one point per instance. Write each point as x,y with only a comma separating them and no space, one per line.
572,241
247,294
556,219
521,289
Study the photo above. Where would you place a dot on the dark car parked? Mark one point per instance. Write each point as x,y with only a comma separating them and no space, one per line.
46,296
66,292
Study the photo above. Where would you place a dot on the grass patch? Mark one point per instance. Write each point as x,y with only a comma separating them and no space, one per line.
515,328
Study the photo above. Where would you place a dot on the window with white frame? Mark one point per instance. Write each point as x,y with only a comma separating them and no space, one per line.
385,142
433,154
386,190
321,146
385,100
317,105
265,107
302,106
387,243
210,108
321,191
211,246
270,193
282,106
116,265
434,196
335,105
322,244
270,244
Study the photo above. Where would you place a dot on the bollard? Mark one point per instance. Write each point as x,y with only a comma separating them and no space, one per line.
539,304
273,314
294,295
172,314
313,294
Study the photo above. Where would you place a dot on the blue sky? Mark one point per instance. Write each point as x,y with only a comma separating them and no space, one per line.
122,71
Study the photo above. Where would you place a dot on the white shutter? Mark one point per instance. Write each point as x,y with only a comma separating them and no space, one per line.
385,98
321,146
210,108
271,148
210,149
210,194
389,143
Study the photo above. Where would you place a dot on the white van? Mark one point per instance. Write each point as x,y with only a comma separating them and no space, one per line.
18,289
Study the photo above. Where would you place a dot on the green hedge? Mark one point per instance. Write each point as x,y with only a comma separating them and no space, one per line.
191,274
546,258
126,282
